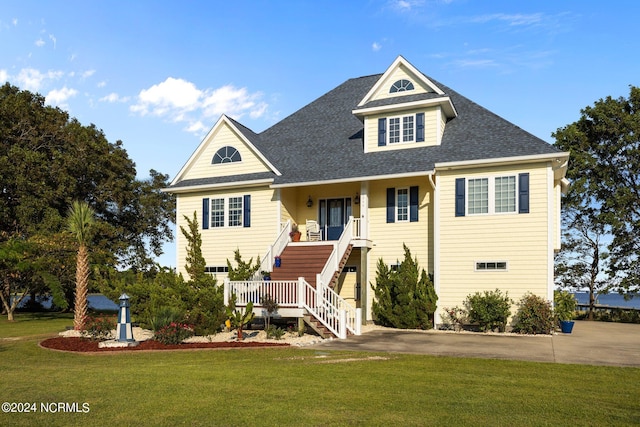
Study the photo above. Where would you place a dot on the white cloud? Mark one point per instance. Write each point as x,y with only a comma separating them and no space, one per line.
376,46
53,39
172,94
475,63
32,79
4,76
14,21
88,73
102,84
179,100
114,97
512,20
59,96
405,5
39,43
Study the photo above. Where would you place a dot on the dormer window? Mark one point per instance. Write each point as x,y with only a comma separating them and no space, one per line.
226,155
401,86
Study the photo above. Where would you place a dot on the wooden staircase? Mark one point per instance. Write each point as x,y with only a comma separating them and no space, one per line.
302,261
308,261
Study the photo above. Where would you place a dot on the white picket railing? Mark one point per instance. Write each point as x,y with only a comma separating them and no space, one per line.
274,250
284,292
322,302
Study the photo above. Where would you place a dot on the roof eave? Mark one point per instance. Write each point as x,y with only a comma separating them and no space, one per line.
559,158
445,102
218,186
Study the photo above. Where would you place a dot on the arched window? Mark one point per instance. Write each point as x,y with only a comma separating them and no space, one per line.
226,155
401,86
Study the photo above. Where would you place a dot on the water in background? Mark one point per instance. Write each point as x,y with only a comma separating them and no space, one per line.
612,300
96,302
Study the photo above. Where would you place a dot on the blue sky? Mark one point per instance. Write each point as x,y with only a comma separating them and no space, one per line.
158,74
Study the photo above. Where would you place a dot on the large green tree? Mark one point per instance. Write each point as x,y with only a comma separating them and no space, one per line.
605,193
48,159
406,297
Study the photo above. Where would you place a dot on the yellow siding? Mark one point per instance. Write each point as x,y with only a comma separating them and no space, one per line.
218,244
224,136
399,73
389,237
520,239
431,117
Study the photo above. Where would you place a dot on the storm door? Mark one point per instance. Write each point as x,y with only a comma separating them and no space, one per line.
334,214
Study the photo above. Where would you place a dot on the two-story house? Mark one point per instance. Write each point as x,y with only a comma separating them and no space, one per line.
378,162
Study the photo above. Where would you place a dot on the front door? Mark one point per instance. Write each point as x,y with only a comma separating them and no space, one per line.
334,214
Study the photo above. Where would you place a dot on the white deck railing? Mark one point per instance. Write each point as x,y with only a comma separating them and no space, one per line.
322,302
274,250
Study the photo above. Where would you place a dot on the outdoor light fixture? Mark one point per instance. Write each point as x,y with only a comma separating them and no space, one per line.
309,202
356,200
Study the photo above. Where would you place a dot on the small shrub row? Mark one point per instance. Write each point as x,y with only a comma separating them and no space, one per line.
491,309
100,327
174,333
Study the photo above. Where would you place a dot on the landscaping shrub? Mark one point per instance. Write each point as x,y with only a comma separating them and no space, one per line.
275,332
99,328
174,333
564,305
490,309
405,298
535,316
163,316
454,318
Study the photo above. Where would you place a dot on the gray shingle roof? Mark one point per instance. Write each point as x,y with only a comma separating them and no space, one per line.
323,141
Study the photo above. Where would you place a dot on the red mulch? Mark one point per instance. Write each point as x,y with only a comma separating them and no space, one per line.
85,345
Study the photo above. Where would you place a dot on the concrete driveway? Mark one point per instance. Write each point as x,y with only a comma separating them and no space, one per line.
590,343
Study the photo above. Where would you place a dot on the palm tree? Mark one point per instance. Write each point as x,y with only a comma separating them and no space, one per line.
79,222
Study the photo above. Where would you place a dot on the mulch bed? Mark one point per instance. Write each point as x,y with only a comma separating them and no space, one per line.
85,345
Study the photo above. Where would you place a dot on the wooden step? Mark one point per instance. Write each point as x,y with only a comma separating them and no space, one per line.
302,261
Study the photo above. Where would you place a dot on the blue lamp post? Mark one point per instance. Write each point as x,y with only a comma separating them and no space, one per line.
124,331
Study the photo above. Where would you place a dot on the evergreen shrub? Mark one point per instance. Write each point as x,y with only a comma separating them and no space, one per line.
535,316
490,309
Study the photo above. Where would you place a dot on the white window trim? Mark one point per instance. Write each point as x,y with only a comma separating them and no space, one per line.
226,213
401,120
491,209
397,207
484,270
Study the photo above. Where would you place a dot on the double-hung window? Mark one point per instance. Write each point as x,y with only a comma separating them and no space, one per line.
217,212
505,194
401,129
492,195
235,211
402,205
222,212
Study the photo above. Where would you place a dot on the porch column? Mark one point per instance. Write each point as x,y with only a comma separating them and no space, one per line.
226,291
364,284
364,210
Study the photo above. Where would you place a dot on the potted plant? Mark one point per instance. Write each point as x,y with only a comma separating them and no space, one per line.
265,275
564,307
295,233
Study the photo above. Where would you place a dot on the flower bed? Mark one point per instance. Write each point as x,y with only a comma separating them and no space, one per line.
84,345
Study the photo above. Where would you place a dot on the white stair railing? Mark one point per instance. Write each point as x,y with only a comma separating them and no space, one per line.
274,250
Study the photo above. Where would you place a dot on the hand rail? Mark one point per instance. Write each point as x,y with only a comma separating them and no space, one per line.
274,250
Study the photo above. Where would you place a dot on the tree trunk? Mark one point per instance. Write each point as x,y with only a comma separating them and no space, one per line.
82,283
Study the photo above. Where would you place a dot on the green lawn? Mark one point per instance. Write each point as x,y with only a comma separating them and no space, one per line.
293,386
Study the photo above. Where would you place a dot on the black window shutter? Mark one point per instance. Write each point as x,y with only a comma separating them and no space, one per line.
391,205
246,217
413,204
382,132
460,196
523,193
420,127
205,214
